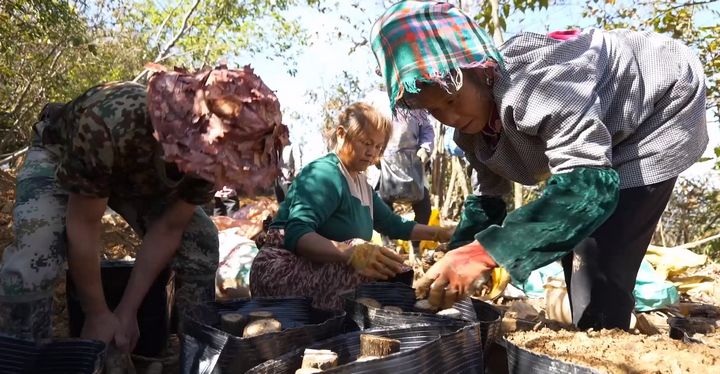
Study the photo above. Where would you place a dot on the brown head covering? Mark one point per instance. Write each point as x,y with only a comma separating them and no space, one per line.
223,125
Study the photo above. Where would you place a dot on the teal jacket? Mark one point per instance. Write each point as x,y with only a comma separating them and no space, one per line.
320,200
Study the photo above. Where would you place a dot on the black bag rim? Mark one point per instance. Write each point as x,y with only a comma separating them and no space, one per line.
538,362
458,325
188,318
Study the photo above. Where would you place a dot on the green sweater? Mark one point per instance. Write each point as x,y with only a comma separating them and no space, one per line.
319,200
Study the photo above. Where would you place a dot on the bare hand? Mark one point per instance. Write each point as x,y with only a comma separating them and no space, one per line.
444,233
128,333
100,326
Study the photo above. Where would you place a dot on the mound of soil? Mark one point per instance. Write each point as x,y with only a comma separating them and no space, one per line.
616,351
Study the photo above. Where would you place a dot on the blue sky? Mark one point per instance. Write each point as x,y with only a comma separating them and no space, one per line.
324,61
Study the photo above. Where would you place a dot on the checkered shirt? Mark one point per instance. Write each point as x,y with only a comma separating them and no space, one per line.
633,101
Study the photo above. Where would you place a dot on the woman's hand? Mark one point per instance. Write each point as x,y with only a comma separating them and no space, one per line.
460,272
374,261
443,234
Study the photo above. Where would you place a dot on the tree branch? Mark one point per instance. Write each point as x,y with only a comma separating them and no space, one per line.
669,9
688,4
164,23
180,32
30,81
206,53
357,45
174,40
13,156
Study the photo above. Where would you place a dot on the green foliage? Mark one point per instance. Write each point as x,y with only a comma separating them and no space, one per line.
693,213
53,50
215,30
505,10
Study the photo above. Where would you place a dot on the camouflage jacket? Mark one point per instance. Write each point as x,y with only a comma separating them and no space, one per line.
105,144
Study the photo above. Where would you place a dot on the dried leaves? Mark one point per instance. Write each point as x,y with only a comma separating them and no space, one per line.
223,125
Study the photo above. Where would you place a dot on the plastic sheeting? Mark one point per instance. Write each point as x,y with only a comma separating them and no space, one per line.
522,361
446,347
400,295
206,349
57,357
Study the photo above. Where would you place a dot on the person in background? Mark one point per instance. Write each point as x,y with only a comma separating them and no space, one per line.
608,118
287,173
318,245
412,133
226,202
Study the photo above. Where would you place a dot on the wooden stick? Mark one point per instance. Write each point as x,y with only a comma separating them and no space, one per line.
233,323
260,314
322,359
368,302
261,326
307,371
451,189
377,346
691,244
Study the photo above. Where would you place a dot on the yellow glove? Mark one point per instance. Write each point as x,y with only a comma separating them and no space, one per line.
443,234
499,281
374,261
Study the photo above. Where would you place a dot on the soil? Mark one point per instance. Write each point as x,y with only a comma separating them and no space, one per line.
616,351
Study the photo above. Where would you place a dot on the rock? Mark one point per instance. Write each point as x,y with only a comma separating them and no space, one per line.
644,326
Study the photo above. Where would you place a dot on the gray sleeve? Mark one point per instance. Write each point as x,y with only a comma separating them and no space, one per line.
427,133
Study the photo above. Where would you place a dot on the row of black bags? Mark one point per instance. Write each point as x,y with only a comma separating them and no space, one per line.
429,343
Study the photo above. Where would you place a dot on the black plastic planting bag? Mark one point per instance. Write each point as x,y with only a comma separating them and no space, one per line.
207,349
521,361
60,356
446,347
403,296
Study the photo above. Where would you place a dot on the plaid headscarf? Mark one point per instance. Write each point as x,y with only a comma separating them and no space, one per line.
427,42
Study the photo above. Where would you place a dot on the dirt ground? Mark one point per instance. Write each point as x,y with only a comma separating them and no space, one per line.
614,351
